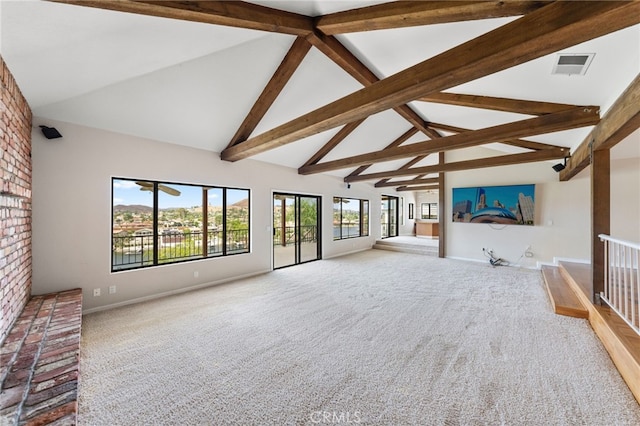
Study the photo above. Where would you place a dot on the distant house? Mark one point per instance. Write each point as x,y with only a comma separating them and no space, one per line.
145,232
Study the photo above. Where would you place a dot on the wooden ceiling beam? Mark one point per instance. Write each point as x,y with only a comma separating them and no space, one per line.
514,142
502,160
399,141
411,163
341,56
578,117
334,50
413,13
417,188
287,67
421,181
229,13
517,106
333,142
546,30
622,119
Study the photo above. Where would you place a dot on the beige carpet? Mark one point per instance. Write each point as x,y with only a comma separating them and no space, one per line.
372,338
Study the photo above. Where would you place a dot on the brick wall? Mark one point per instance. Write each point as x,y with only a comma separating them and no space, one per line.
15,201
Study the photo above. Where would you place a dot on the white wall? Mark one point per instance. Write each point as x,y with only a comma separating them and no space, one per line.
72,211
562,223
625,199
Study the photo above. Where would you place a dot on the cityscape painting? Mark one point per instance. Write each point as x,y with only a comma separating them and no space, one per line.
507,205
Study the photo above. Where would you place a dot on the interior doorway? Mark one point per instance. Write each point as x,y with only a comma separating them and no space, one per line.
389,216
296,229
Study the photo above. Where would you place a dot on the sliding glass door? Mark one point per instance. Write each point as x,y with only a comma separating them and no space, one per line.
296,229
389,216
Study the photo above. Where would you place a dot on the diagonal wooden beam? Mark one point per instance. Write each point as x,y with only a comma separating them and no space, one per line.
417,188
514,142
412,13
229,13
338,53
578,117
399,141
422,181
287,67
411,163
546,30
622,119
334,50
518,106
502,160
333,142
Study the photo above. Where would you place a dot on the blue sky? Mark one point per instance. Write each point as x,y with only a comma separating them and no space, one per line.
127,192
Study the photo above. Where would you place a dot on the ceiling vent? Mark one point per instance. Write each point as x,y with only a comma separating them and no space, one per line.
572,63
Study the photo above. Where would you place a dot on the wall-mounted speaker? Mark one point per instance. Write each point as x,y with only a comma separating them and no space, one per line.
50,132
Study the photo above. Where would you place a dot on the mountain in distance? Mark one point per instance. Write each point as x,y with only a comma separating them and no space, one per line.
139,208
134,208
243,204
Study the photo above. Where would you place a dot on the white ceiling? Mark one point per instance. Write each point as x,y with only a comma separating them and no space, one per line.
193,84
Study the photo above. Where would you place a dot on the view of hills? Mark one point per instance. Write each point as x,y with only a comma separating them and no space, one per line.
134,208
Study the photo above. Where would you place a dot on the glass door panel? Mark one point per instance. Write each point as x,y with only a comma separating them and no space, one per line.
296,229
284,235
309,247
393,216
389,216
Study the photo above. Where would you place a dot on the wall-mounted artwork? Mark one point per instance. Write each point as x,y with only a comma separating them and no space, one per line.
507,205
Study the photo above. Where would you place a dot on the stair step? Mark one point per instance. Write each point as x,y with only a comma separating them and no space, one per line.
563,299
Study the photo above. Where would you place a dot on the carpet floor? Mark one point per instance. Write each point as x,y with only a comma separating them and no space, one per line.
375,338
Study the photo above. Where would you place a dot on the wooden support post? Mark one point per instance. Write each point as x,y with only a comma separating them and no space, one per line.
441,217
600,214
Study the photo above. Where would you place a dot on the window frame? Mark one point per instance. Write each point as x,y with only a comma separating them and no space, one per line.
158,234
364,215
432,211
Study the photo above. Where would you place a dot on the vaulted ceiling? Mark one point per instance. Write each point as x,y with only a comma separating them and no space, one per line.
366,90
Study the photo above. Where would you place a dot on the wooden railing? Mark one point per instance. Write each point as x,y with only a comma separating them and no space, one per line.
622,279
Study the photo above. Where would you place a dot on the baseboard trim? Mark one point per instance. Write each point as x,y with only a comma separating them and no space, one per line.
170,293
466,259
557,260
347,253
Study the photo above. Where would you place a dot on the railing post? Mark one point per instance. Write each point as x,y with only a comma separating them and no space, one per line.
607,269
622,279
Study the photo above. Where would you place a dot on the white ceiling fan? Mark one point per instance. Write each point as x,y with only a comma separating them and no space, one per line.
148,186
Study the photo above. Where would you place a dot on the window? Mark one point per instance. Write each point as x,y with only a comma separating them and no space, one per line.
350,218
429,211
157,223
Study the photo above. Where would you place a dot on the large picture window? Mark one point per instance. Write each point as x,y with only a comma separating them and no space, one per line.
350,218
157,223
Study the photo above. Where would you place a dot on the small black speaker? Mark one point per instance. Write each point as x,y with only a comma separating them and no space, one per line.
50,132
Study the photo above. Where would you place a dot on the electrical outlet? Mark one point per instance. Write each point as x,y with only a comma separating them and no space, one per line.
96,292
196,274
112,289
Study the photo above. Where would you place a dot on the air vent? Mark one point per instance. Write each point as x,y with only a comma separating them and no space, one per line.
572,63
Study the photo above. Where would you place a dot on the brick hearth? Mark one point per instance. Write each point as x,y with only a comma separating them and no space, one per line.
39,362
